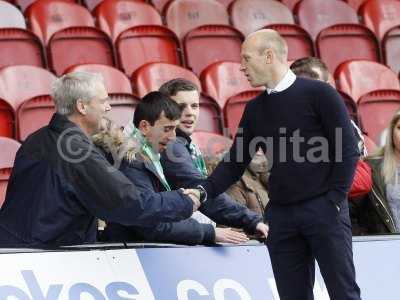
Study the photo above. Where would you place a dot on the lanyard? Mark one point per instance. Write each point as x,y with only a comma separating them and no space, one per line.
198,159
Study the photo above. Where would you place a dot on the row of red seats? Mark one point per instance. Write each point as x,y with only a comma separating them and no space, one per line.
25,102
134,46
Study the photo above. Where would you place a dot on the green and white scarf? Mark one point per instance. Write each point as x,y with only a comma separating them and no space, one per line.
198,159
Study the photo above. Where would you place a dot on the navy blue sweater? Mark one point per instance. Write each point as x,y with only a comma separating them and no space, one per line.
322,162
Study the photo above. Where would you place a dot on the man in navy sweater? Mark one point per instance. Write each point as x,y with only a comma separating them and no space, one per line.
303,127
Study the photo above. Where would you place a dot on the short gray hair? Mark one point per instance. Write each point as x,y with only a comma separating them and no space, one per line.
70,87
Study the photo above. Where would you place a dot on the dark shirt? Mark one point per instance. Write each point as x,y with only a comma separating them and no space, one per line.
313,110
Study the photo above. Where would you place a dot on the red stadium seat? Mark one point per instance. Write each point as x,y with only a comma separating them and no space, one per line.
184,15
391,48
4,176
20,47
122,108
251,15
298,40
234,109
114,80
360,77
67,29
376,109
222,43
19,83
380,15
290,3
9,148
211,144
223,80
225,3
151,76
340,43
115,16
210,116
33,114
159,4
351,106
92,4
7,119
355,4
10,16
137,46
315,15
370,144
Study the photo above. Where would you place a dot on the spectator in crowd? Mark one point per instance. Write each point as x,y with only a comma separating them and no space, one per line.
381,213
251,189
184,164
303,127
155,120
60,182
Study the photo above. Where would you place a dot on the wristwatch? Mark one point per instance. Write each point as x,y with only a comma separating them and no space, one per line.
203,194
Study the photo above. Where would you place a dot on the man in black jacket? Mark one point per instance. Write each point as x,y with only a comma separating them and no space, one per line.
60,182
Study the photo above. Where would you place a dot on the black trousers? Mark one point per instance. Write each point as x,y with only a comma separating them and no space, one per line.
301,233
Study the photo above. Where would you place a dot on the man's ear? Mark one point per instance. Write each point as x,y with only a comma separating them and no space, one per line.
144,127
269,55
80,107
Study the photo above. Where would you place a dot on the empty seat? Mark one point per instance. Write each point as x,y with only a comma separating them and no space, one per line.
340,43
290,3
211,144
376,109
4,177
93,4
225,3
9,148
20,47
234,109
114,80
222,43
67,29
159,4
184,15
355,4
315,15
10,16
115,16
391,48
251,15
19,83
151,76
210,116
24,4
223,80
139,45
34,114
122,108
7,119
380,15
357,78
299,42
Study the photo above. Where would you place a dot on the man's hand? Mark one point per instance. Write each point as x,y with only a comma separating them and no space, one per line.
227,235
194,195
262,229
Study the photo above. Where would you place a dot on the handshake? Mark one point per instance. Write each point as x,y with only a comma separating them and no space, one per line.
197,195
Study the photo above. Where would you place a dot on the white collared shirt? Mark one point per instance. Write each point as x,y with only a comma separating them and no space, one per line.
285,83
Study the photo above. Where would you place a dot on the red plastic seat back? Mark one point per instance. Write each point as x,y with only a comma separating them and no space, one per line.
92,4
340,43
122,108
234,109
7,119
251,15
159,4
24,4
210,118
4,177
370,144
150,77
290,3
9,148
114,80
46,17
34,114
211,144
315,15
223,80
10,16
20,47
376,110
136,47
222,43
380,15
355,4
360,77
115,16
184,15
299,42
19,83
391,49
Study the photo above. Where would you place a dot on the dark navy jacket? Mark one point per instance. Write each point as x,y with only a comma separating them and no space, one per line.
180,172
143,174
59,184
